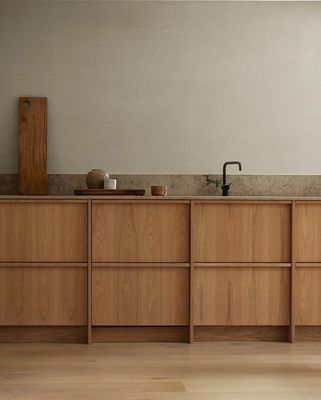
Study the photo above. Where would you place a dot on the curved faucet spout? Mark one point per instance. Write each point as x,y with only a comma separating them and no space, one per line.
226,186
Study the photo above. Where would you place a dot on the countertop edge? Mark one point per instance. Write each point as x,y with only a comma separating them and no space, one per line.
162,198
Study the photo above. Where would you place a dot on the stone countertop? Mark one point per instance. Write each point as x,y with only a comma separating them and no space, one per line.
157,198
288,186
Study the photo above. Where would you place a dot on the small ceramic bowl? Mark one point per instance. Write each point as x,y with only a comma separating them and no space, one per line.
158,190
110,184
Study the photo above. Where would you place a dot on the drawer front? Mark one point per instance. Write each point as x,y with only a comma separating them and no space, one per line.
140,232
241,296
43,296
308,296
308,232
242,232
43,232
140,296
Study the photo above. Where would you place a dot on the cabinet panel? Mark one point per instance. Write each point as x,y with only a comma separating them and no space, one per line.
140,296
308,296
242,232
43,296
241,296
43,232
141,232
308,232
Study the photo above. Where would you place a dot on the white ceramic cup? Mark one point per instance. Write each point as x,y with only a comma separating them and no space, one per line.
110,184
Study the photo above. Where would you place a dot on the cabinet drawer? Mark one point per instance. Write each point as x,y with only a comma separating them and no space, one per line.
308,296
242,232
140,232
43,295
43,232
241,296
140,296
308,232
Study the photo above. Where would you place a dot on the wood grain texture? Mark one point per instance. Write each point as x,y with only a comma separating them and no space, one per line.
241,264
308,296
140,232
191,275
241,333
43,296
308,232
110,192
293,275
32,145
89,274
43,232
242,232
161,371
140,296
308,333
308,264
43,334
141,264
241,296
116,334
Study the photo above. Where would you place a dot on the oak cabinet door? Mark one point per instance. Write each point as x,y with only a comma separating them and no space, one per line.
43,295
140,296
308,296
308,232
140,232
241,296
242,232
43,232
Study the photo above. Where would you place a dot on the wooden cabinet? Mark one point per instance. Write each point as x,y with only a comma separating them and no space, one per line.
140,232
43,231
43,295
241,296
140,296
308,296
250,232
129,266
307,244
308,232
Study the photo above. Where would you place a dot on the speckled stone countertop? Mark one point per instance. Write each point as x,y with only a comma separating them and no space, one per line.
186,185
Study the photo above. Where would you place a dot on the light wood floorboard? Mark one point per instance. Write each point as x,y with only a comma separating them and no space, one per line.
161,371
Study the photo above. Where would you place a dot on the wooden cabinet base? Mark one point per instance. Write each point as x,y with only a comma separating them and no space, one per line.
114,334
43,334
201,334
308,333
241,333
140,334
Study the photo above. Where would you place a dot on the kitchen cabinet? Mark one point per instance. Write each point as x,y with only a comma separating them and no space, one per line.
140,296
308,296
159,269
250,232
43,295
242,296
41,231
308,232
140,232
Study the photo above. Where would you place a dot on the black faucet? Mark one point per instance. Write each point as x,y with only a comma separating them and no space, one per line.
226,186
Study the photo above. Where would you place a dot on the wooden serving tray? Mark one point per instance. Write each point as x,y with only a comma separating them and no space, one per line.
108,192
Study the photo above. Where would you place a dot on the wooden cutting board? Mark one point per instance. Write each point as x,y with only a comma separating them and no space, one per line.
32,145
107,192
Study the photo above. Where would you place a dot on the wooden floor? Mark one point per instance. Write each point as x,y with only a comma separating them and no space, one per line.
202,371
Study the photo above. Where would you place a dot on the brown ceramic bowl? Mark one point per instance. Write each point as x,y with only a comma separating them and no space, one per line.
158,190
